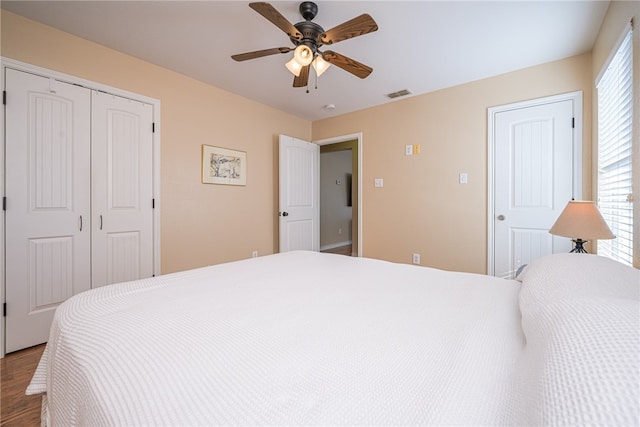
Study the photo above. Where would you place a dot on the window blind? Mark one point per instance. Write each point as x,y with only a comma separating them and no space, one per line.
615,114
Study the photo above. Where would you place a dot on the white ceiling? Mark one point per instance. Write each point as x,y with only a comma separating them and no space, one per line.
422,46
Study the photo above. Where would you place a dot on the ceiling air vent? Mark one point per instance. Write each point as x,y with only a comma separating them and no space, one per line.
398,94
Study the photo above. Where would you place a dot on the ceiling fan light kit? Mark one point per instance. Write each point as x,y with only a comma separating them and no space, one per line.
320,65
294,66
303,55
308,37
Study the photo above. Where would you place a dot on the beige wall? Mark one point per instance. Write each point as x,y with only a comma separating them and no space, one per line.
201,224
422,208
619,14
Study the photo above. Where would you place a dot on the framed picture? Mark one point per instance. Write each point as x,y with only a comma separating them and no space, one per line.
223,166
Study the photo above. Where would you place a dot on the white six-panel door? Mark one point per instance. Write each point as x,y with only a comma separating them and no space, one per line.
48,204
533,181
299,195
122,189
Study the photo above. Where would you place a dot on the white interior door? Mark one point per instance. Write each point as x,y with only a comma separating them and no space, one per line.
122,189
47,219
299,195
533,181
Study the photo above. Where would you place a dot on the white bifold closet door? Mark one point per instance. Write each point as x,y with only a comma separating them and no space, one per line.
121,189
78,197
48,230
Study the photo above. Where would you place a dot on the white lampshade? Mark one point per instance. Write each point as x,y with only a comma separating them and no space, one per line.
320,65
294,67
581,219
303,55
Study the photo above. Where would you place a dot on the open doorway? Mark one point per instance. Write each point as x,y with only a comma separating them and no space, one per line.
339,197
335,200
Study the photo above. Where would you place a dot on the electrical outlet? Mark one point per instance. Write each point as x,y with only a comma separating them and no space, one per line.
408,150
254,254
416,259
339,230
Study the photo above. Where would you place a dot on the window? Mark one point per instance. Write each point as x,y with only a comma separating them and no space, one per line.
615,113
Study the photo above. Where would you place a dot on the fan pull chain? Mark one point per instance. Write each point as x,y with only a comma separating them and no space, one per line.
316,85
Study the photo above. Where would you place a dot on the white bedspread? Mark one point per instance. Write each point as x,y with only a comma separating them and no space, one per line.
581,364
303,338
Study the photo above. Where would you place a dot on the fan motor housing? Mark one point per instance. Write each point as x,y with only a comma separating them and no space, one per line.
310,35
310,30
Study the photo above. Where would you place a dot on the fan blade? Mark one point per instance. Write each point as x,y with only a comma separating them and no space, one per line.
355,27
260,53
276,18
303,78
347,64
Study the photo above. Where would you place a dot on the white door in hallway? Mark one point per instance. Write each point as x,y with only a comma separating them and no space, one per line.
299,210
534,178
47,220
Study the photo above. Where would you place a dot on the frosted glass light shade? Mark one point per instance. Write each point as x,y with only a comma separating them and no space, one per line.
320,65
303,55
581,219
294,67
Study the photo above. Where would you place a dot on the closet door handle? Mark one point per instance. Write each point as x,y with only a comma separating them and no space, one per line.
80,222
100,222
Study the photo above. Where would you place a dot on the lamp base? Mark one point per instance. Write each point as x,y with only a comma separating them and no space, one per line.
579,248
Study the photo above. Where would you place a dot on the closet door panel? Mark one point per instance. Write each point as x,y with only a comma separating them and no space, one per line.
122,189
48,202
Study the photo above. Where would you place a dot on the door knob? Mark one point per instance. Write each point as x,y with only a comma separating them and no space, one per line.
501,217
285,213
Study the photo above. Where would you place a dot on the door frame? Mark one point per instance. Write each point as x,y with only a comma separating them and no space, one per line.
67,78
576,98
344,138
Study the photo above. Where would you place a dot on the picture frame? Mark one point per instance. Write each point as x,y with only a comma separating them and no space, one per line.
223,166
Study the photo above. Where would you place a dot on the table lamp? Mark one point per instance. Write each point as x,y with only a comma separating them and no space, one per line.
581,221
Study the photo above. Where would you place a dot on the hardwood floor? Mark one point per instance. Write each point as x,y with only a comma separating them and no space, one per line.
342,250
17,369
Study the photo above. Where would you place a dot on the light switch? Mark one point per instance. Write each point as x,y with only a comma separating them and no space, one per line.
463,178
378,182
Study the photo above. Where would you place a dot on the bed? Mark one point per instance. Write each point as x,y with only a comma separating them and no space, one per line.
304,338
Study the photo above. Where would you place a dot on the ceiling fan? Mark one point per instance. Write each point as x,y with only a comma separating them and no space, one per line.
307,38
